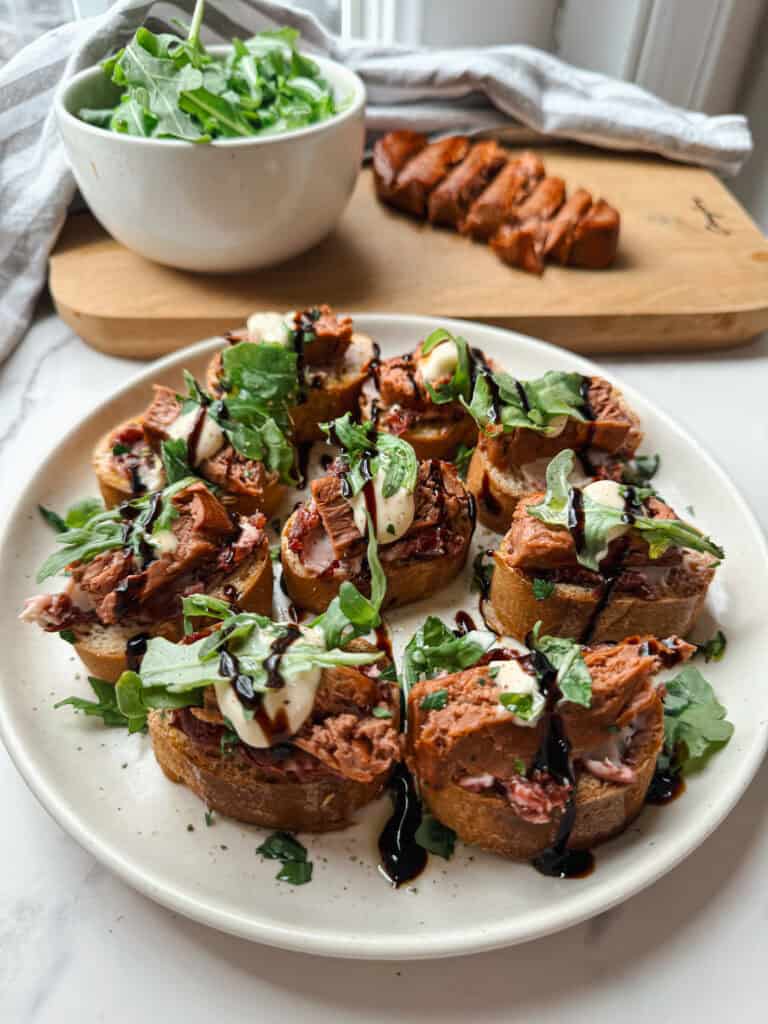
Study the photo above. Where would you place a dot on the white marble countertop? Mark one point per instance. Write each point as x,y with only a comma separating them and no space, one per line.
77,944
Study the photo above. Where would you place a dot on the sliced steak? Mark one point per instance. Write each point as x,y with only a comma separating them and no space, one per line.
450,201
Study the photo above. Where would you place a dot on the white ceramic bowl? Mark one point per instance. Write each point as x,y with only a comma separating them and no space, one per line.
233,204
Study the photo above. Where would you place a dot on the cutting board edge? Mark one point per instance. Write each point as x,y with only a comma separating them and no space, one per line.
151,337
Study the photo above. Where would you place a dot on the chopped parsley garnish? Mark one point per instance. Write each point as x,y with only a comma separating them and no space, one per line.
542,589
282,846
714,648
434,701
435,837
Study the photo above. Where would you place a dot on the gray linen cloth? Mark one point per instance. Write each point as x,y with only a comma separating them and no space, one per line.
498,89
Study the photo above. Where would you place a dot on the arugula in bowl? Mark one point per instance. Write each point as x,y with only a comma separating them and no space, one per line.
173,88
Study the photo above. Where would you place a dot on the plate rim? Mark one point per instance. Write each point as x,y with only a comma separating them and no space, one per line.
524,927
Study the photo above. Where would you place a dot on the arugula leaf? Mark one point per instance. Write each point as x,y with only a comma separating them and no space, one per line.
284,847
435,837
350,614
125,704
434,648
267,372
68,635
203,606
695,726
391,456
82,512
530,404
462,459
565,655
434,701
543,589
173,88
104,707
458,387
714,648
599,520
181,668
77,515
175,456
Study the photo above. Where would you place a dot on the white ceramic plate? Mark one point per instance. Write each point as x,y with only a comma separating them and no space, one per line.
105,788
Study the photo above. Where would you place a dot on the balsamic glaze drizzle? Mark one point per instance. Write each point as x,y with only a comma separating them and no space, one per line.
276,651
135,649
553,757
402,859
464,623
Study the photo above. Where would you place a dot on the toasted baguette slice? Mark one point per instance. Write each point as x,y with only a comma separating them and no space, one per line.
431,439
330,390
406,582
498,491
603,809
234,787
116,488
570,610
102,649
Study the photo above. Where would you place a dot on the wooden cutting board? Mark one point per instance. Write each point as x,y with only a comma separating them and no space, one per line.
692,273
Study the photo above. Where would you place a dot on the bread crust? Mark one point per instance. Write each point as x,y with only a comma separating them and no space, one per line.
603,809
337,394
237,788
514,610
496,492
102,648
406,583
430,440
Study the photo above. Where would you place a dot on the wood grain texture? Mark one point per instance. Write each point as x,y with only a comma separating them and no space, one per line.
692,273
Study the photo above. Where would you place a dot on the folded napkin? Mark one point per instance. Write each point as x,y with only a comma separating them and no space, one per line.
499,89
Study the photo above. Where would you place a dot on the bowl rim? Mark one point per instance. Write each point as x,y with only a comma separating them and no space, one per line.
357,103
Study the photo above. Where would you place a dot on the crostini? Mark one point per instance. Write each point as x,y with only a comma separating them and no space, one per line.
332,360
523,423
534,756
241,446
281,729
419,396
130,567
417,517
598,562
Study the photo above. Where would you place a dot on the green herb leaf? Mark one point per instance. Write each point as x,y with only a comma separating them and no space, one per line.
640,469
203,606
694,720
573,676
286,848
68,635
434,701
175,457
543,589
458,387
462,460
519,766
482,574
381,712
520,704
714,648
53,519
599,520
554,395
434,648
295,873
435,837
